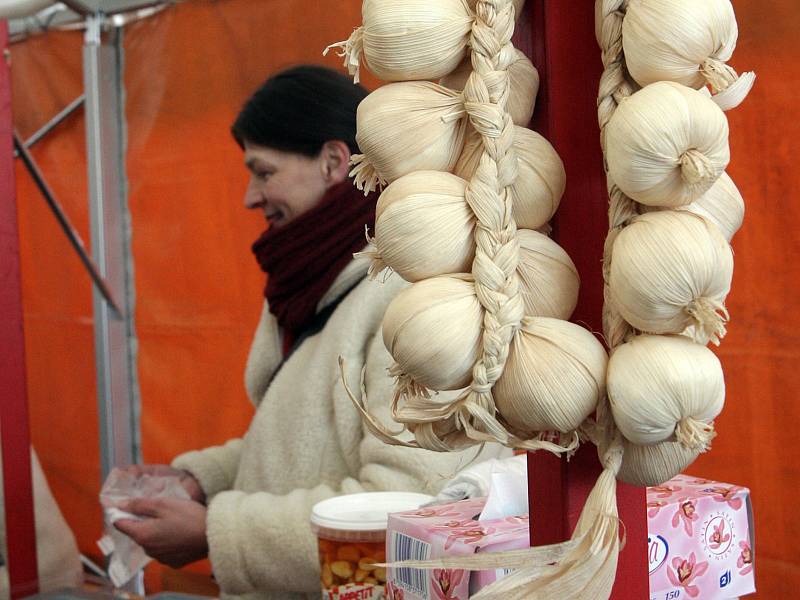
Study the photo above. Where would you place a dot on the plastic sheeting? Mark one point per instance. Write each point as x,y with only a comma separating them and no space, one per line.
198,289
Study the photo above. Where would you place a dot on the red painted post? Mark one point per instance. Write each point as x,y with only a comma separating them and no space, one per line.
14,426
563,47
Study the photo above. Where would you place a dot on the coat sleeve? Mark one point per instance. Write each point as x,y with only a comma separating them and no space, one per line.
263,541
214,468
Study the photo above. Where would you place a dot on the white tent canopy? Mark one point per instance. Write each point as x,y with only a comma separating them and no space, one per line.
15,9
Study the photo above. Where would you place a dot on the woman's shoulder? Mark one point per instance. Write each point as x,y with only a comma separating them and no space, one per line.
360,310
354,286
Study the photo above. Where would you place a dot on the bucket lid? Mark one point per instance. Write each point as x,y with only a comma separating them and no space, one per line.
364,512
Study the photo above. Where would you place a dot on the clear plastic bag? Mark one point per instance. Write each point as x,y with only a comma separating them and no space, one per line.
126,556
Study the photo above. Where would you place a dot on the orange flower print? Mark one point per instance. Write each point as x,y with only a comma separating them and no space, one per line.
393,592
433,511
727,495
472,535
688,514
701,481
454,524
518,520
745,561
654,507
683,572
718,536
446,581
665,491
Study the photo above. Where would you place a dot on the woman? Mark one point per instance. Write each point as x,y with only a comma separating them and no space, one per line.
252,497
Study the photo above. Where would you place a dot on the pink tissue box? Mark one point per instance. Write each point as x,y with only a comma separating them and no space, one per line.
700,540
446,530
700,544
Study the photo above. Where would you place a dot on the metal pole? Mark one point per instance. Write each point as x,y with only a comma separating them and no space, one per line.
115,340
71,233
54,122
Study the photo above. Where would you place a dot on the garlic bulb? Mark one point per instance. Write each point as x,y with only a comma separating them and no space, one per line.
722,205
653,465
684,41
664,387
553,379
408,40
523,83
670,270
666,145
549,281
540,182
405,127
433,330
423,227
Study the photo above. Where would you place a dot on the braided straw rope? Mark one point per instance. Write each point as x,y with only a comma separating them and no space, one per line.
615,86
489,196
494,269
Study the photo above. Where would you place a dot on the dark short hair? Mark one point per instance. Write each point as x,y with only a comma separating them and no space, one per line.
299,109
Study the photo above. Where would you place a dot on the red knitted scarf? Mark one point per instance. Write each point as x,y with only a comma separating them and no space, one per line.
303,258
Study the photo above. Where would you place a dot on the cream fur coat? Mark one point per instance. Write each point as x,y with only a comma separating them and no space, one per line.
306,443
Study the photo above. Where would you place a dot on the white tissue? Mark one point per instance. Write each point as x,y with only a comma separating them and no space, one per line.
508,489
508,495
503,481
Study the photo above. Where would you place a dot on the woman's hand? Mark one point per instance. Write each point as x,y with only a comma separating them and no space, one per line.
187,480
173,530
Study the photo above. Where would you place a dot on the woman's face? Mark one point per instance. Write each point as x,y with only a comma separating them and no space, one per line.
283,185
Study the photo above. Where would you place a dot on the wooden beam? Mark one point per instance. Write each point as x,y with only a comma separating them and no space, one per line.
559,37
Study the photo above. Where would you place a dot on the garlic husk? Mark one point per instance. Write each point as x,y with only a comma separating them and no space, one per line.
408,40
423,227
406,127
540,181
670,270
663,388
736,92
523,83
553,378
666,145
655,464
433,330
723,205
684,41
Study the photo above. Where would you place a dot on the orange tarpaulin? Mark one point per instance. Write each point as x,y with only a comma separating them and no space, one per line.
198,289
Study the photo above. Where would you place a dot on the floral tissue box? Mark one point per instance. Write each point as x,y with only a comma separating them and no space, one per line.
447,530
700,540
700,544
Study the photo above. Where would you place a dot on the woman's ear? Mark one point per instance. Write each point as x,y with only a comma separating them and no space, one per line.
335,162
